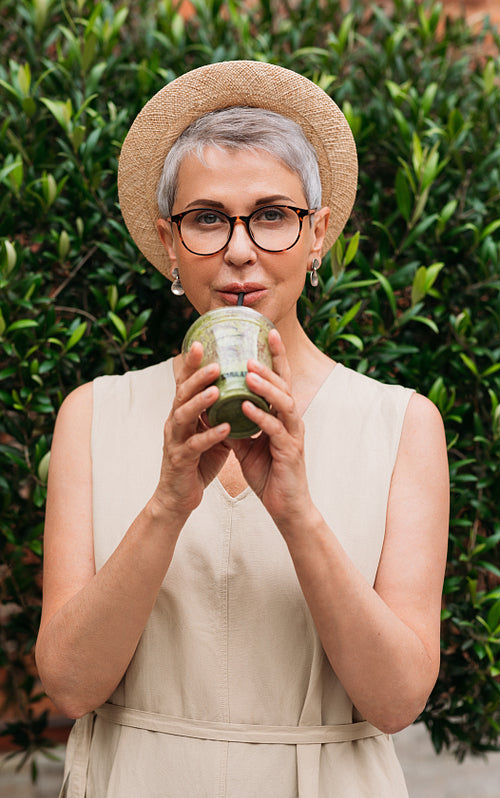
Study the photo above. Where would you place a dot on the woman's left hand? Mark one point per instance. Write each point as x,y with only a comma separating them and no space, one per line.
273,463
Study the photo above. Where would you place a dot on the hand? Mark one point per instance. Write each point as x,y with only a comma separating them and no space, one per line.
273,463
192,453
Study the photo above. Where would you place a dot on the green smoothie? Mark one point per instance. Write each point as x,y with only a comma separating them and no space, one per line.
230,337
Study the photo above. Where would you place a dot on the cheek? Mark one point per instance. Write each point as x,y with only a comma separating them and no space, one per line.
196,280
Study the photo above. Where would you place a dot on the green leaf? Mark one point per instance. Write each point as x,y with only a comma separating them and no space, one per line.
63,246
418,155
49,188
402,123
418,289
432,274
76,336
118,324
491,370
22,324
62,111
24,79
489,76
428,98
43,468
355,340
350,314
469,363
9,256
139,324
493,617
431,167
489,229
384,282
403,195
448,211
112,295
428,323
351,250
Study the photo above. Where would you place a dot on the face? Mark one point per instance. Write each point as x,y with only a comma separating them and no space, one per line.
238,183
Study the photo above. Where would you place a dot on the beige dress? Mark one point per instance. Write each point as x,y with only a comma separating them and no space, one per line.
229,693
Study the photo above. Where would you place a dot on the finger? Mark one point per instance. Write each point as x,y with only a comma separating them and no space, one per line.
256,367
191,360
191,383
280,365
278,354
272,426
281,401
185,415
201,442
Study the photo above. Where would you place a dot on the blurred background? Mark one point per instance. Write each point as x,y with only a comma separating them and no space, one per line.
410,292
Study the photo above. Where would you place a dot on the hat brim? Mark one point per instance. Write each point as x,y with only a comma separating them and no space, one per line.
222,85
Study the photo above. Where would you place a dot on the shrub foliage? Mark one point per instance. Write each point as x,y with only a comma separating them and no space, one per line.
410,293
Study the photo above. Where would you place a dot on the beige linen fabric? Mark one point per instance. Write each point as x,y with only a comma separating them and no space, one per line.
230,655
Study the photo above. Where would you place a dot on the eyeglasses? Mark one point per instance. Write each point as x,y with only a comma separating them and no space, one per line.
273,228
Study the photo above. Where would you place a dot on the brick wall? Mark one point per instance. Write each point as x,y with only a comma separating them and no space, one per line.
474,10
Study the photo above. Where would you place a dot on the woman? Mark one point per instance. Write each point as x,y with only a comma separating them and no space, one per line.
242,617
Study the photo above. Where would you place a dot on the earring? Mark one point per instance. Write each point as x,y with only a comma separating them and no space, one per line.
176,286
313,274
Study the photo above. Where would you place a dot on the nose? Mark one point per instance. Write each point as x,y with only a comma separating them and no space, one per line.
240,249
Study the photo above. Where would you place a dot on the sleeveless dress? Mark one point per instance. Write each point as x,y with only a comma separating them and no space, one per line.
229,693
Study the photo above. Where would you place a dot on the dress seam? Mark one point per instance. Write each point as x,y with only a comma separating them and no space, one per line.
222,786
224,607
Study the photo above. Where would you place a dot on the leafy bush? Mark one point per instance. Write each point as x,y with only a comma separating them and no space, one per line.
409,294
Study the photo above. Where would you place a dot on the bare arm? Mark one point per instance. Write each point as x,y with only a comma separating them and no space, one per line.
92,622
382,642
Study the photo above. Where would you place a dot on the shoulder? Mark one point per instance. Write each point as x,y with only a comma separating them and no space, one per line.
76,408
72,431
422,455
423,424
150,378
421,409
369,388
70,460
384,405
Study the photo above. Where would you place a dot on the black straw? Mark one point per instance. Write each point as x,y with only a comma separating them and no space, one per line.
241,297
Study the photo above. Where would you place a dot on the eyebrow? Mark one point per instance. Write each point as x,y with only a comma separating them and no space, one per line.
211,203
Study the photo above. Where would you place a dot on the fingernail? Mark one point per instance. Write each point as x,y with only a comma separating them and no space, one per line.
256,364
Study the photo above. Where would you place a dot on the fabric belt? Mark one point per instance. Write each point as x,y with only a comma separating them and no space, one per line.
236,732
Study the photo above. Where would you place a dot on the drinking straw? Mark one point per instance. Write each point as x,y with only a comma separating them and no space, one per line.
241,297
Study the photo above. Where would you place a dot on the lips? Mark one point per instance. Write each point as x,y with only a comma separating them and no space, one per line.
253,292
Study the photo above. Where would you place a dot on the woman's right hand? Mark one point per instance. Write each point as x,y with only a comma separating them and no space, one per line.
193,453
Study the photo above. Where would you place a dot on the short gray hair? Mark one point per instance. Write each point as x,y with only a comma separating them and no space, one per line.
243,128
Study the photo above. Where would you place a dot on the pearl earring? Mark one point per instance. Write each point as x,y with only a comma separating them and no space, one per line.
313,274
176,286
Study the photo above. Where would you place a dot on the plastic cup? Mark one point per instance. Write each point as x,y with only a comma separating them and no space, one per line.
231,336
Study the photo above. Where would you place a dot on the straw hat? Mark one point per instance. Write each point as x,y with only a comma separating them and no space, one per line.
217,86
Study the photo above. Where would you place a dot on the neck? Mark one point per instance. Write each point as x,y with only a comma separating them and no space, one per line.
309,366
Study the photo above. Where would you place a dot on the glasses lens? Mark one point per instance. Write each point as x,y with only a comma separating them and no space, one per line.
274,227
205,231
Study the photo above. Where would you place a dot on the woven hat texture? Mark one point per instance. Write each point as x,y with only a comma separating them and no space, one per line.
217,86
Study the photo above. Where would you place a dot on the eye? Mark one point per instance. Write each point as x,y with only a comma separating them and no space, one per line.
270,214
207,218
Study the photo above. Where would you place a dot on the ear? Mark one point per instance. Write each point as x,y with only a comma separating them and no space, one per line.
319,228
165,233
